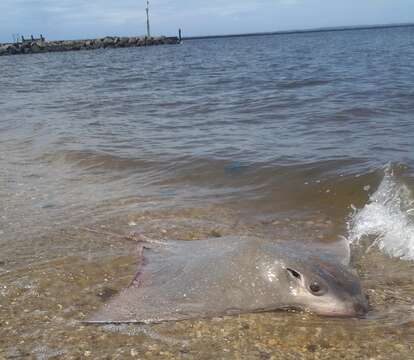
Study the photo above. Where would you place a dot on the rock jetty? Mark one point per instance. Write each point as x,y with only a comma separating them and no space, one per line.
40,45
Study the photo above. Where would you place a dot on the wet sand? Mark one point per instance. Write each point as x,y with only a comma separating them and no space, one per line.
51,284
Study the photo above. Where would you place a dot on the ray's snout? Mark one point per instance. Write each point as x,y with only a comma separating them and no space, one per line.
358,307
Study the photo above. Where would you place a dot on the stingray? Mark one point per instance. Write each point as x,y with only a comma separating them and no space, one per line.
178,280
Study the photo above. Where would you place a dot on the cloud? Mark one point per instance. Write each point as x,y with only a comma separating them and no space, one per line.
111,11
90,18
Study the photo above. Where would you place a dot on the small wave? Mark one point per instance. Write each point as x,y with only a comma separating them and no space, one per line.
304,83
388,218
97,161
359,112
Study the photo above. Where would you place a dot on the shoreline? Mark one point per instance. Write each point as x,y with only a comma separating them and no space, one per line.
41,46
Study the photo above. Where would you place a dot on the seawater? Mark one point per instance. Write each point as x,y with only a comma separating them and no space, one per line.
302,136
388,217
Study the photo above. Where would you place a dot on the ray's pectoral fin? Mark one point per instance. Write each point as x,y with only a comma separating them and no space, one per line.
161,289
134,305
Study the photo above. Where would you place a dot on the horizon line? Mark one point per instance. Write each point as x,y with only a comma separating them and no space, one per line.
301,31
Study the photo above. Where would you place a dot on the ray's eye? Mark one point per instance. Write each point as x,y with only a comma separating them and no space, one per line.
315,288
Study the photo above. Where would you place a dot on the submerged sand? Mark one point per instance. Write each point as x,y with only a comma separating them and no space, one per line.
52,282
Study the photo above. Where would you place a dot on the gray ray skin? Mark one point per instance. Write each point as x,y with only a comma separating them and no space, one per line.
231,275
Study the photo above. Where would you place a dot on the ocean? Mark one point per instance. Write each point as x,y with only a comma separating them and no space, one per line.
303,137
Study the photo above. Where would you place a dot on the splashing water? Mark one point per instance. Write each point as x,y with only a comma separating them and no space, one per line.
388,217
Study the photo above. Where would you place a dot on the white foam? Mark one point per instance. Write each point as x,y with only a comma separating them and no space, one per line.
388,217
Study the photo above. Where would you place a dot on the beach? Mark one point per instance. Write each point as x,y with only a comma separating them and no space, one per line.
296,137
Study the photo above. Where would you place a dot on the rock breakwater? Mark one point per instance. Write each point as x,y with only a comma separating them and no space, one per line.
40,46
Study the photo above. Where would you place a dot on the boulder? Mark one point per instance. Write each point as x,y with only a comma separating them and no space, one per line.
3,50
123,41
108,41
98,43
171,40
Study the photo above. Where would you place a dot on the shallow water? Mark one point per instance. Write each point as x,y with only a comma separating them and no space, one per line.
304,137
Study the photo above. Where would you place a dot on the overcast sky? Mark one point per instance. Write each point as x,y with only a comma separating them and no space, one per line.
70,19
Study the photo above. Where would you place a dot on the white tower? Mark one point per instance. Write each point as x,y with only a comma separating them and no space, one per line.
148,24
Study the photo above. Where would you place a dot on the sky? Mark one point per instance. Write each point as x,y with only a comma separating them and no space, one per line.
79,19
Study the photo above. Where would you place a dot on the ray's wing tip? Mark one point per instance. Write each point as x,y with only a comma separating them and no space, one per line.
111,322
105,316
100,316
98,319
94,318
